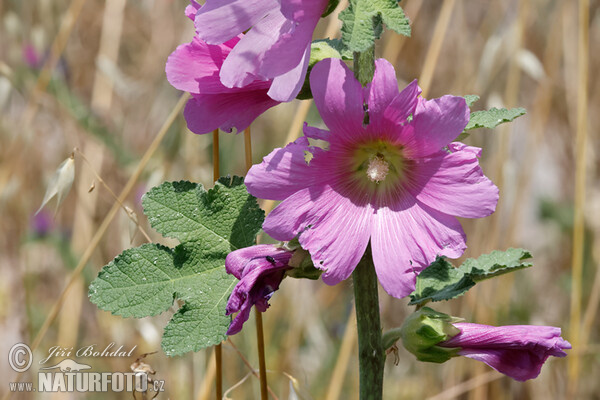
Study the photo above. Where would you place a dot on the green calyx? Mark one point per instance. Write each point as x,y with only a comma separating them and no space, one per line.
423,330
330,7
303,267
319,50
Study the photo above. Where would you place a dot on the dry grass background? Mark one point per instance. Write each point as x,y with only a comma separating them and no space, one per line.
108,96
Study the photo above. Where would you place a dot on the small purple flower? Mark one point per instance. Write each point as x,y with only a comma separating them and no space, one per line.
518,351
41,223
260,269
396,181
276,46
31,56
194,67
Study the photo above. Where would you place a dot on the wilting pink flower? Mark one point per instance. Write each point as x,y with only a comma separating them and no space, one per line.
391,176
518,351
194,68
260,270
276,46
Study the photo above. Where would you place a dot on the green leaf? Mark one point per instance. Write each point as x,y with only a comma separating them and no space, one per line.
496,263
146,280
441,281
494,117
362,22
471,99
488,118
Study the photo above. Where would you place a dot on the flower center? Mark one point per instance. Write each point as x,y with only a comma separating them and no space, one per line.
377,169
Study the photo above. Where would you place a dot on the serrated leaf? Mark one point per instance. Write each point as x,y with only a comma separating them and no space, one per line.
362,22
145,281
471,99
496,263
441,281
488,118
493,117
185,211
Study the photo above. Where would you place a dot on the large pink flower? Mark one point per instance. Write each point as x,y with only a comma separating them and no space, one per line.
195,67
391,175
276,46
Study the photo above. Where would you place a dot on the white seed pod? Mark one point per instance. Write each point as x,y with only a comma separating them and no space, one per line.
61,183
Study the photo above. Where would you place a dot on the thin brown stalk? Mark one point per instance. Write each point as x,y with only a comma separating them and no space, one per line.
218,349
104,227
250,367
215,152
580,179
260,338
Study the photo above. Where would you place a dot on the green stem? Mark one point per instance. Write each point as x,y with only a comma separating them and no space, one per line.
371,354
364,65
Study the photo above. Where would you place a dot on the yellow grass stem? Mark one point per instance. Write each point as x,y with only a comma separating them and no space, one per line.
580,181
209,375
466,386
104,227
58,46
441,26
339,371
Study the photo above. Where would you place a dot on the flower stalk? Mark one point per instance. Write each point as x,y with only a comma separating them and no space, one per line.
371,354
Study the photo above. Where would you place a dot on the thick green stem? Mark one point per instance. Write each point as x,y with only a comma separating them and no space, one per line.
371,354
364,65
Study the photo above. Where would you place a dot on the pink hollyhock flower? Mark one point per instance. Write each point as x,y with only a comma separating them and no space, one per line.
393,178
276,46
194,68
518,351
260,270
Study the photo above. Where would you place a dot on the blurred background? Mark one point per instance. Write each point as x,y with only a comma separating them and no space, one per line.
90,75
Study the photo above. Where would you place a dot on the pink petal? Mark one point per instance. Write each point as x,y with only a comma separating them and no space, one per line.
220,20
237,260
381,91
453,183
435,124
285,87
300,10
518,351
333,229
194,67
192,9
406,238
237,109
338,97
292,44
403,105
282,173
316,133
244,63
